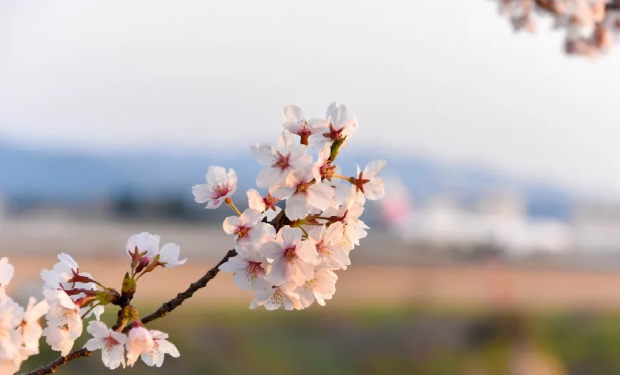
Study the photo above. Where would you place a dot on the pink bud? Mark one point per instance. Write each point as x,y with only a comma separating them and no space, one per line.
144,261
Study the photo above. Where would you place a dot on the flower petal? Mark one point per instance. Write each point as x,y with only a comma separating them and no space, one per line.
320,196
263,153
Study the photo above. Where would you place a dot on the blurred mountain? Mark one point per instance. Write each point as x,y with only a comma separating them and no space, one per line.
29,174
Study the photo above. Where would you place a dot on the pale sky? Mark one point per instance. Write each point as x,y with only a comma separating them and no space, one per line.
449,79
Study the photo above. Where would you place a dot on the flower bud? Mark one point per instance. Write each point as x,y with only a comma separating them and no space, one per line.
335,148
129,285
144,261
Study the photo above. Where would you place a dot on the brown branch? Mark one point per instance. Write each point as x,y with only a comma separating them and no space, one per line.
52,367
188,293
161,312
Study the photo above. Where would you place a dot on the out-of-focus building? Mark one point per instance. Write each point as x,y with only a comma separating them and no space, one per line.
502,204
494,220
597,227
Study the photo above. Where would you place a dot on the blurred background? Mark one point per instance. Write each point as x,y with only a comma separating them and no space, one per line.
496,250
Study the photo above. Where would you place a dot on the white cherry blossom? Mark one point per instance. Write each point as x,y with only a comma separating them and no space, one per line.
10,365
30,329
139,342
273,298
220,185
349,214
280,161
354,228
6,274
320,288
63,311
143,243
295,121
65,275
265,205
303,192
328,242
161,346
11,315
111,343
248,229
323,166
89,310
367,184
341,125
169,256
63,271
293,259
342,192
59,339
249,269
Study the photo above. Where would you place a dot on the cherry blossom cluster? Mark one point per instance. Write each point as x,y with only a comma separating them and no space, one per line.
20,330
590,25
303,226
72,297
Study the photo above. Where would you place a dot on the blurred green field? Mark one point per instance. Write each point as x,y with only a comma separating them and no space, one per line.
377,340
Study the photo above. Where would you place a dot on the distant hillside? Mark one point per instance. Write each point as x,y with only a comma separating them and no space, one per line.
28,175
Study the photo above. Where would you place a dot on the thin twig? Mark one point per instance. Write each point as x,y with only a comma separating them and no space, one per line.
161,312
188,293
52,367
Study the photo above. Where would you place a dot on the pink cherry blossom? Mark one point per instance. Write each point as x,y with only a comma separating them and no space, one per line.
220,185
280,161
145,244
66,276
63,271
63,312
303,192
139,342
323,166
293,259
273,298
328,242
169,256
59,339
11,315
366,183
6,273
261,204
295,121
341,125
30,329
320,288
265,205
249,269
349,214
161,346
248,229
111,343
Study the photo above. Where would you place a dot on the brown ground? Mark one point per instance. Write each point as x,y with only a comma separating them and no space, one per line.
478,286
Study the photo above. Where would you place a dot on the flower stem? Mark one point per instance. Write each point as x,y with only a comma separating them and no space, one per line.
321,217
140,275
89,310
101,285
342,177
303,230
232,205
